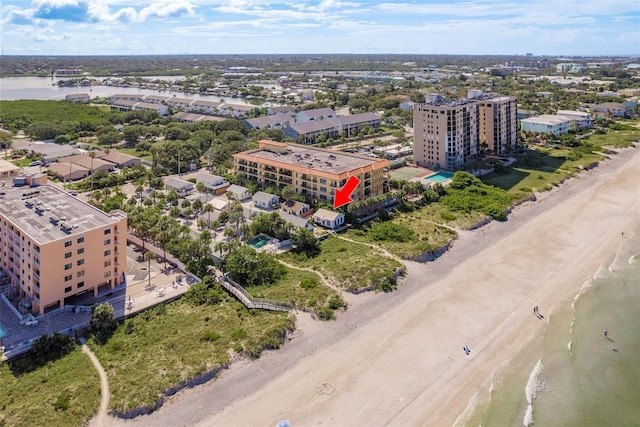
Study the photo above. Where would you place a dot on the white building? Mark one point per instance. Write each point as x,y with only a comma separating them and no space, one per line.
328,219
182,187
581,119
214,183
546,123
238,192
265,200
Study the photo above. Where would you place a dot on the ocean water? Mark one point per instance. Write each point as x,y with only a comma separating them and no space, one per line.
573,375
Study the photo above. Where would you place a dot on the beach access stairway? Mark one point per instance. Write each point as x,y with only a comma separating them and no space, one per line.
250,302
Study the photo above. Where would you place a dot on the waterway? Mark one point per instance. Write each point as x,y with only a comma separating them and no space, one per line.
13,88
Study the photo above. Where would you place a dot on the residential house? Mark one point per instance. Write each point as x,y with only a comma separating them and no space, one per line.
213,183
156,99
238,192
162,110
328,219
611,109
85,160
280,109
205,107
265,200
182,187
194,117
294,207
78,97
296,221
235,110
179,103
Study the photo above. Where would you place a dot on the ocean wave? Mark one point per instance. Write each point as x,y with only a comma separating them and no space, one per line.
530,391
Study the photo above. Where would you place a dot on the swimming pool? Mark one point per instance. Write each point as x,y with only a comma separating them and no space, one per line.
2,332
259,241
439,177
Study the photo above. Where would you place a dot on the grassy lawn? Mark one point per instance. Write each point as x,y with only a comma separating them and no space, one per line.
349,265
303,289
171,343
145,155
616,138
28,400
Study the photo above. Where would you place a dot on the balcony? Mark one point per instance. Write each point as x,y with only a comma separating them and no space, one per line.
270,168
285,180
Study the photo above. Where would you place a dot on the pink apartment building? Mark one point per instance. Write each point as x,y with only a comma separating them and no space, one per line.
54,246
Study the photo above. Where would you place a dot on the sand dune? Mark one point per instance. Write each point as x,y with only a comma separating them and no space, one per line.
396,359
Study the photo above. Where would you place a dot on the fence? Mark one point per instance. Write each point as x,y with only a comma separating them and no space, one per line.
250,302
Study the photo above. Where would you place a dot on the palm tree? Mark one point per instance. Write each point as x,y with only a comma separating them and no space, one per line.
92,155
208,208
148,256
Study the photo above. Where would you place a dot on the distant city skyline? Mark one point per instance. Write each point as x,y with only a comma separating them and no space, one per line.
147,27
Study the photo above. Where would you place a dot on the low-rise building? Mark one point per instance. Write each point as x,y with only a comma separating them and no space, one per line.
68,171
316,114
8,169
182,187
96,164
546,123
611,109
264,200
296,221
328,219
120,160
350,125
308,132
213,183
238,192
294,207
276,121
78,97
312,172
55,246
578,119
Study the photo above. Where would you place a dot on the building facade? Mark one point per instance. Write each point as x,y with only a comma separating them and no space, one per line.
448,134
54,246
312,172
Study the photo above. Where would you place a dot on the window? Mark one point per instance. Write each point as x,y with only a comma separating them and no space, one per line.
80,273
80,285
107,231
107,263
67,243
80,239
80,251
323,189
67,255
67,289
107,252
80,262
107,274
69,277
107,242
67,266
323,181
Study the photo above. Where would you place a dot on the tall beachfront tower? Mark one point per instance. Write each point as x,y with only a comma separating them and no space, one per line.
54,246
450,133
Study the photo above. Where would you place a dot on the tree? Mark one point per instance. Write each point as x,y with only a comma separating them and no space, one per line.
305,242
6,138
102,318
149,256
288,192
251,268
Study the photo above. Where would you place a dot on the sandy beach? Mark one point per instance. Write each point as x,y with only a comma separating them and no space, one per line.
397,359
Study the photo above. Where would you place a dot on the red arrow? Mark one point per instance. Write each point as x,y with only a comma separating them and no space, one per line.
343,196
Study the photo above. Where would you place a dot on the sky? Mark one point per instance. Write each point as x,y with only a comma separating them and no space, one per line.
144,27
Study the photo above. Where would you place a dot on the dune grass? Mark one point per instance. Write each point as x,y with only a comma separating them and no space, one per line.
172,343
349,265
39,397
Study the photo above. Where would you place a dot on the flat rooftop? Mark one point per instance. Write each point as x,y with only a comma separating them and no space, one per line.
39,212
315,159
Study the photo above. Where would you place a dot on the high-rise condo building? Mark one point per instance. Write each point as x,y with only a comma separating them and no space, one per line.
448,134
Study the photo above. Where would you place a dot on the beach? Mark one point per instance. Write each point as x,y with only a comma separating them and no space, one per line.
397,359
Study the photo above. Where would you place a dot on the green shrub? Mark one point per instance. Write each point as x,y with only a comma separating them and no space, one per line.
210,336
336,302
308,283
238,334
62,402
325,313
448,216
389,231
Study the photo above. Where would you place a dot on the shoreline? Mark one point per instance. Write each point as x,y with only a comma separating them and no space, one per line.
345,358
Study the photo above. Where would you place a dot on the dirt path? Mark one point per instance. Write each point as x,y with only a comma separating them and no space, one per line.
101,418
323,279
379,249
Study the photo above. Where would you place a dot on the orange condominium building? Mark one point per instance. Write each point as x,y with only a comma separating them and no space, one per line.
312,172
54,246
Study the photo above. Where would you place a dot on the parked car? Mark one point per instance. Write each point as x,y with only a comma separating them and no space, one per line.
36,163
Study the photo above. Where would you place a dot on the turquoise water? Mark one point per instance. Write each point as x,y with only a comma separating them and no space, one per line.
575,376
2,332
258,241
439,177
